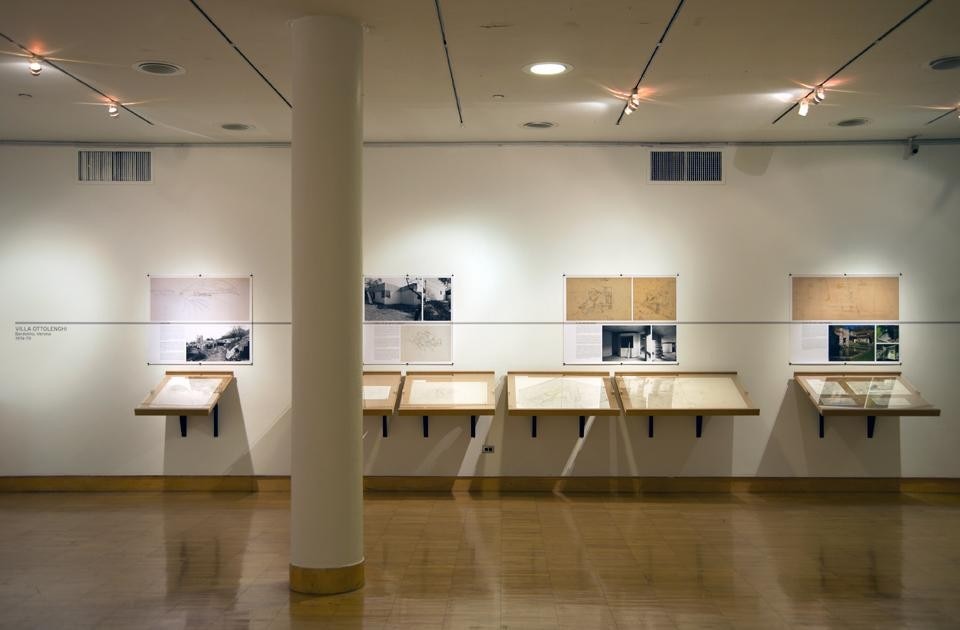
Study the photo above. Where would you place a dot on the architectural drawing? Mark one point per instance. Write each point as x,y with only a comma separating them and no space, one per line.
683,392
846,298
432,392
564,392
655,299
181,391
425,344
376,392
195,299
598,299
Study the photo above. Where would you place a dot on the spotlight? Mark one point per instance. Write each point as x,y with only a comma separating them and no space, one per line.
820,93
112,110
633,103
804,107
35,66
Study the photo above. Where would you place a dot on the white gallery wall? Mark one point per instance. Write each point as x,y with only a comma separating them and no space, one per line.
507,221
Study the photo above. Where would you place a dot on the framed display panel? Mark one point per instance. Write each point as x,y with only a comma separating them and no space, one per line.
448,393
695,394
619,320
381,391
200,319
561,393
407,319
869,394
185,393
845,319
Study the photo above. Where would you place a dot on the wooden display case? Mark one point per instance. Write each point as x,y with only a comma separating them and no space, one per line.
448,394
869,394
381,392
695,394
185,394
564,393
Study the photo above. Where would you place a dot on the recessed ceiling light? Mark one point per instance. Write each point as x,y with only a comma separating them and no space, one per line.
853,122
548,68
25,95
946,63
161,68
236,126
539,124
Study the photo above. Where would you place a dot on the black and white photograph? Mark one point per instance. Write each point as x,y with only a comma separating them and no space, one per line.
218,344
852,342
639,343
887,333
437,299
392,299
663,344
625,344
888,352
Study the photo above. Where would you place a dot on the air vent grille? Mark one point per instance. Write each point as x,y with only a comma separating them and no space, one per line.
114,166
686,166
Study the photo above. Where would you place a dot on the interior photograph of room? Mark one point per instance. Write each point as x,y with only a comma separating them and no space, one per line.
505,314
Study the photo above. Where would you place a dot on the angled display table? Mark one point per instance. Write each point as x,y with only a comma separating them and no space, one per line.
579,394
869,394
187,394
428,394
696,394
381,390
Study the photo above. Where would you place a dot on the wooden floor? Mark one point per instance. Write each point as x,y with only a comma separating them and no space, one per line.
179,560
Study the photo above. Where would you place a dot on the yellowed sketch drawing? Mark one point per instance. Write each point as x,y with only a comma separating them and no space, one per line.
831,298
654,299
598,299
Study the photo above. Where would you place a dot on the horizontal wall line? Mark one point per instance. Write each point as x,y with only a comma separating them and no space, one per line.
948,322
504,484
487,143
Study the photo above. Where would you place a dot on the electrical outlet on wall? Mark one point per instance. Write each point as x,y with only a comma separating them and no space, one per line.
488,448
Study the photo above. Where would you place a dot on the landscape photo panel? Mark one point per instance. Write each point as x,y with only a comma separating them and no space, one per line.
200,319
392,299
852,343
438,299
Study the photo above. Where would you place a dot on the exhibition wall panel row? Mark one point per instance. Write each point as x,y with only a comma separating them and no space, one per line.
506,226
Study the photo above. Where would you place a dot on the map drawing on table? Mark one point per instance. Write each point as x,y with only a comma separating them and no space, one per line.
597,299
654,298
376,392
182,391
429,392
823,387
568,392
838,401
678,392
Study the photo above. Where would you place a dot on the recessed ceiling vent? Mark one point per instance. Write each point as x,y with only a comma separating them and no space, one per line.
853,122
946,63
539,124
686,166
114,166
159,67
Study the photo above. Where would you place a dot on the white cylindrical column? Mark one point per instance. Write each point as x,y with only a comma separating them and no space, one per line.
326,469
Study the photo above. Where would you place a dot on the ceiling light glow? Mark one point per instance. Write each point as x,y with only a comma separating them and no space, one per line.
35,66
548,68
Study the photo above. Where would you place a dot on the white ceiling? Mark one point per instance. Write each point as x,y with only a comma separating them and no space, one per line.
724,73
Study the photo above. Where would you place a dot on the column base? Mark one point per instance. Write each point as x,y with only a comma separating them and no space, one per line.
326,581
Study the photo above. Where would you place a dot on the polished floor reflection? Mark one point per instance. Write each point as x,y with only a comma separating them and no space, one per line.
197,560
